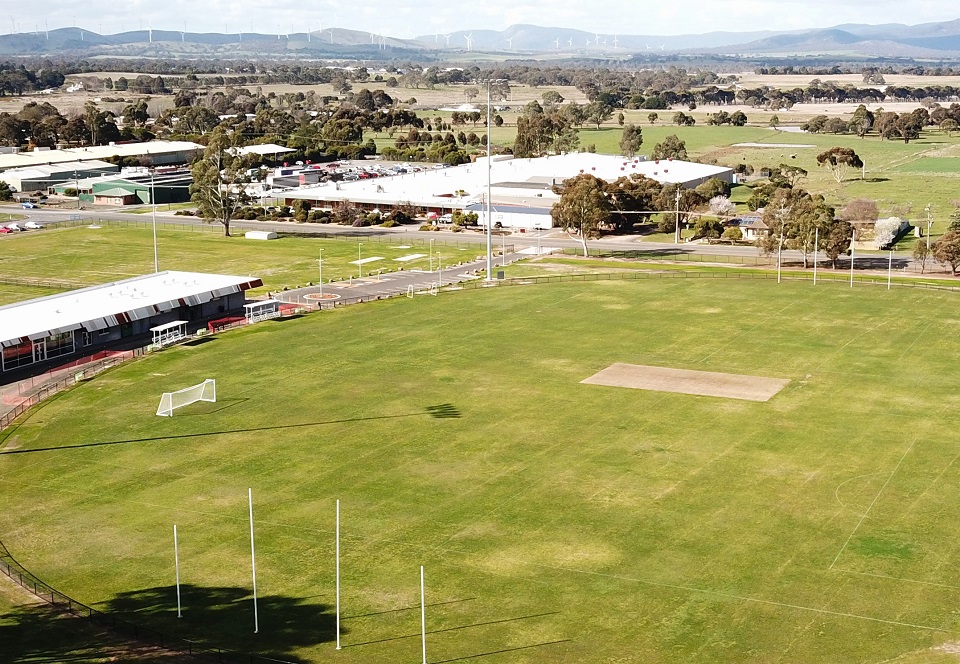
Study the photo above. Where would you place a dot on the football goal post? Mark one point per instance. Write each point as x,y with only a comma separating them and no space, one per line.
170,401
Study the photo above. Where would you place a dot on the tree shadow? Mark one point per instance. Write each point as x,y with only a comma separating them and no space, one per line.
440,411
223,618
875,180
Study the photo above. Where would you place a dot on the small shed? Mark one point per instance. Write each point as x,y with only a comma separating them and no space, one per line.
262,310
115,196
169,333
260,235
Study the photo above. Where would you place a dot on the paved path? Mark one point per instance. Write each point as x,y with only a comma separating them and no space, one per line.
416,282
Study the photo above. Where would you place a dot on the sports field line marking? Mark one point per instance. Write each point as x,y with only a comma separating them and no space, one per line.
874,502
742,598
762,321
915,340
836,492
898,578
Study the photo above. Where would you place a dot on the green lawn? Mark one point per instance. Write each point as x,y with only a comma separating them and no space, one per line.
938,165
558,522
86,256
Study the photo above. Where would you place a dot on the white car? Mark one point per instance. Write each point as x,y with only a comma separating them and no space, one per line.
33,226
14,227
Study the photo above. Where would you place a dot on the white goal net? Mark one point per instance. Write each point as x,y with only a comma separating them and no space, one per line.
170,401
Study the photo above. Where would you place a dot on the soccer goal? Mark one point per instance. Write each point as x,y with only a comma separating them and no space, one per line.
170,401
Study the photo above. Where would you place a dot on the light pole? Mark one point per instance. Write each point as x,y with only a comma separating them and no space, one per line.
929,224
440,268
677,239
816,246
431,254
489,188
359,263
538,240
153,203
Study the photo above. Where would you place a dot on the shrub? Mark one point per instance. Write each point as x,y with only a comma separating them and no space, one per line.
389,223
428,227
734,234
359,223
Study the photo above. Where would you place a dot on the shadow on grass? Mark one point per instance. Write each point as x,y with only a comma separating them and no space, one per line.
209,408
198,342
439,411
456,628
213,618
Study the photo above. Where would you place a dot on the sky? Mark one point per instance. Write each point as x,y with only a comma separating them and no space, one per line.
421,17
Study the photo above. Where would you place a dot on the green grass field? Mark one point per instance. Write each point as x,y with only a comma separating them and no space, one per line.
83,256
558,522
938,165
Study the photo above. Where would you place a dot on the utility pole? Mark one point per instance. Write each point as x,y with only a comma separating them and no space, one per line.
929,224
489,188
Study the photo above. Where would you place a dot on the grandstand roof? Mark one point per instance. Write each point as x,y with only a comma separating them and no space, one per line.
108,305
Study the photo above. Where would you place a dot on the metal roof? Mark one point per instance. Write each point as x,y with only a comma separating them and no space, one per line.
38,157
108,305
532,177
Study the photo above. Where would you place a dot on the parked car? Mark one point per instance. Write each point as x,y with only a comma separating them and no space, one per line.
33,226
446,218
27,205
4,229
14,227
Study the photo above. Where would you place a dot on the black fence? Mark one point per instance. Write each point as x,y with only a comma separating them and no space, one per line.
120,626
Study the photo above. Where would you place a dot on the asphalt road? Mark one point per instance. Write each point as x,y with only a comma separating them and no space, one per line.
550,238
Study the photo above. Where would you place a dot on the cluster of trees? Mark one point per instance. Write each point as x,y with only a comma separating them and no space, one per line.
424,146
42,125
17,79
589,205
886,124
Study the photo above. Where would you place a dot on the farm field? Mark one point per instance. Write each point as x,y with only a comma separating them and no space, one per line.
557,521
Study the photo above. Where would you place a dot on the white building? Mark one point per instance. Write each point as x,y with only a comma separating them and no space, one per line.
515,183
154,153
47,328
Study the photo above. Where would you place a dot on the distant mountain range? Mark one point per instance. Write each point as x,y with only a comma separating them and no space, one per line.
924,41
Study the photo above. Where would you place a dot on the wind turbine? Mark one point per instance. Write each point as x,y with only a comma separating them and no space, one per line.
662,46
447,37
150,32
556,42
510,43
330,30
588,41
597,38
183,35
604,42
469,39
648,47
616,42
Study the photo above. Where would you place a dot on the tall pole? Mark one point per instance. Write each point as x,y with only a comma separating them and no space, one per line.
816,245
359,264
338,574
889,269
176,560
253,565
779,254
929,225
320,263
677,230
423,618
489,205
431,254
153,203
440,268
853,251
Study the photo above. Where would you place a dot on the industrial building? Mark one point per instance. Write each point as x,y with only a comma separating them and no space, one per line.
43,177
90,319
66,164
132,187
521,189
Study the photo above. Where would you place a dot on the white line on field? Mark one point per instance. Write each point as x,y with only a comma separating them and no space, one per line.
757,600
898,578
874,501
